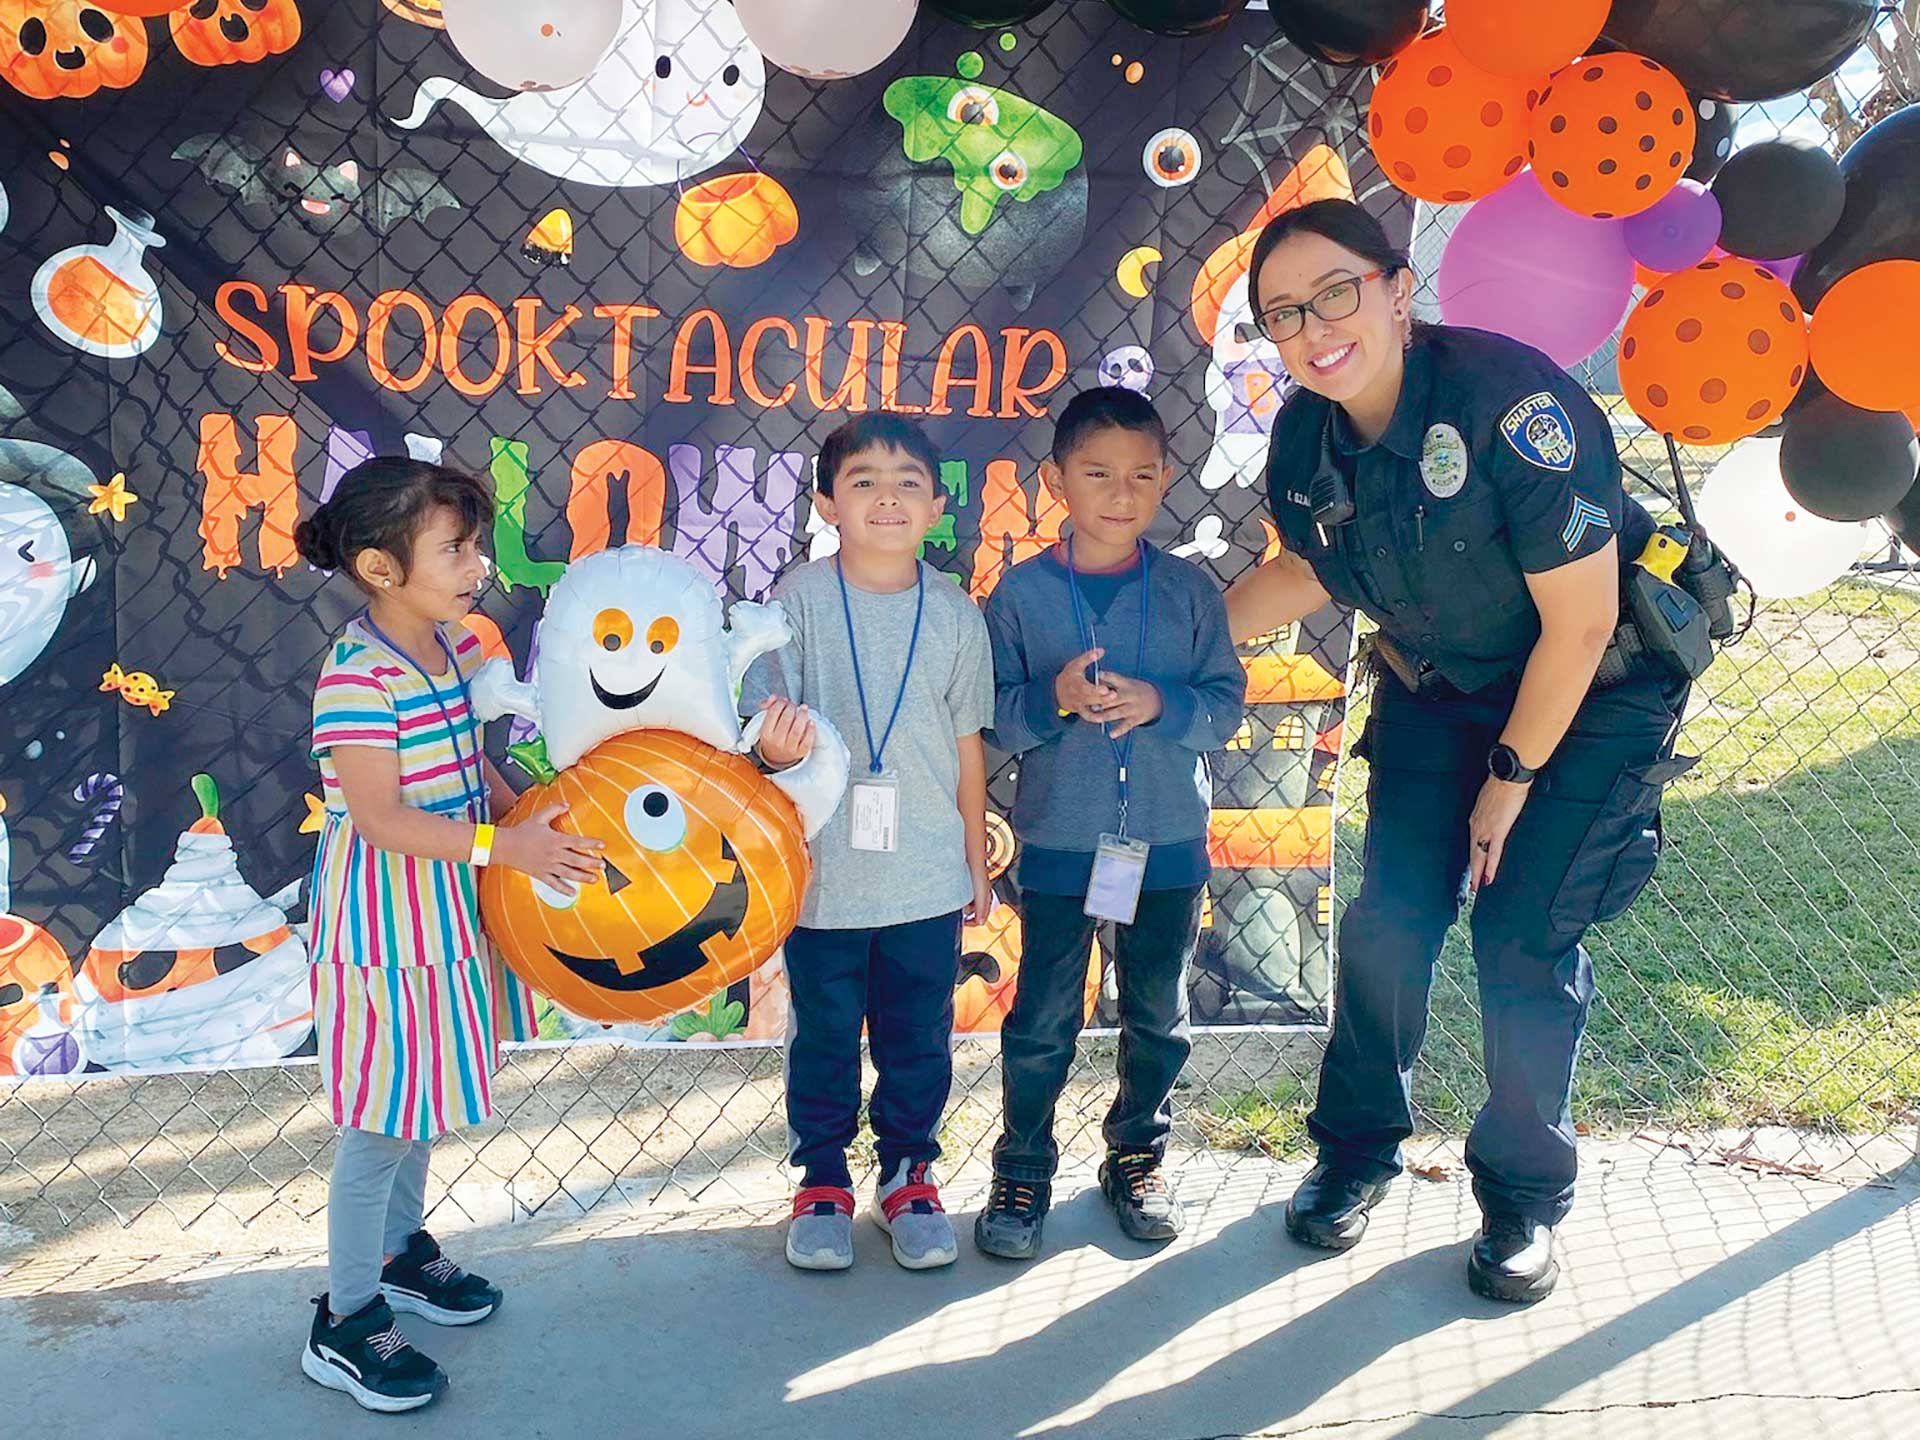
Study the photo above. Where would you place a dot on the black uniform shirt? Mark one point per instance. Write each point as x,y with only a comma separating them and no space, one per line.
1496,465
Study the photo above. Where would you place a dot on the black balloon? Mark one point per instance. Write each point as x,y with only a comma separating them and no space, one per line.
1904,520
1882,218
1179,17
1845,463
1744,49
1778,198
1712,137
987,14
1351,32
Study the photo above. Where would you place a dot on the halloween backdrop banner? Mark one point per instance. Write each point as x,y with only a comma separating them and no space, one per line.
245,244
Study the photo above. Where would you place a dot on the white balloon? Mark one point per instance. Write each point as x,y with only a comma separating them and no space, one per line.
1783,549
533,44
827,39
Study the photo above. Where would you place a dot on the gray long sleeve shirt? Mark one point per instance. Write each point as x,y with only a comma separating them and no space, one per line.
1067,792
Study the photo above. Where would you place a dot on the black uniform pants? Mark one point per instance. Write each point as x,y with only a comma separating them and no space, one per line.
1584,846
1150,963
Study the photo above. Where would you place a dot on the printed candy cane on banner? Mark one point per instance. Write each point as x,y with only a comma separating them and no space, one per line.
105,794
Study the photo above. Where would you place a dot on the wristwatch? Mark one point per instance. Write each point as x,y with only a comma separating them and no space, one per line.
1503,763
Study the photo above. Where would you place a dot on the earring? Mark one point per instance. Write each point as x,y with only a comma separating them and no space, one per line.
386,584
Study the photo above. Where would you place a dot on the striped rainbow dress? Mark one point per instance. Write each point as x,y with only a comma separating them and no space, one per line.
410,1002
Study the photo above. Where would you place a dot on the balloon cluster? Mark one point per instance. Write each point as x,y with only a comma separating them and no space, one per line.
1595,140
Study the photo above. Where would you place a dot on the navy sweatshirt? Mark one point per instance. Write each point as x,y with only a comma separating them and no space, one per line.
1067,790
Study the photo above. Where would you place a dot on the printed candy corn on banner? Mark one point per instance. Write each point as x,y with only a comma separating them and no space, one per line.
246,243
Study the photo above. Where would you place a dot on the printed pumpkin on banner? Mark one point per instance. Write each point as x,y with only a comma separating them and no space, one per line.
234,32
200,971
36,988
68,49
737,220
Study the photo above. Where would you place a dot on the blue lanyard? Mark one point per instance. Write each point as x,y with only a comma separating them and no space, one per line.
1122,749
476,803
875,752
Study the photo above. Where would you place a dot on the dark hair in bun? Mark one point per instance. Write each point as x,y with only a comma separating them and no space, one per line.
383,504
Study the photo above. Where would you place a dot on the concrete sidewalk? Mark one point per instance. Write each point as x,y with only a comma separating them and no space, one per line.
1699,1302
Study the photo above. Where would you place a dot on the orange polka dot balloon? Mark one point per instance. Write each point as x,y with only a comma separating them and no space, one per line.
1611,135
1713,354
1442,128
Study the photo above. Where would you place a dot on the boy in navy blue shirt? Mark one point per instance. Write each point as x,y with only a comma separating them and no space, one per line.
1114,675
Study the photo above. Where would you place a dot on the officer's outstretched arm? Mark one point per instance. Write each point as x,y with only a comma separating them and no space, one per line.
1274,593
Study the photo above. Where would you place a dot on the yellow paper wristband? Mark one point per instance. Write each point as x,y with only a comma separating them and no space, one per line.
482,845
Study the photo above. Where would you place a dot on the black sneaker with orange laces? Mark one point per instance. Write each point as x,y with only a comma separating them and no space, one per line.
1010,1225
1140,1196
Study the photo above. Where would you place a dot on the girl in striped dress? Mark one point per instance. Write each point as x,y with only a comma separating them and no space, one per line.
410,1002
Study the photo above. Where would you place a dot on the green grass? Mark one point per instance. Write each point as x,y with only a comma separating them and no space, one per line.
1770,974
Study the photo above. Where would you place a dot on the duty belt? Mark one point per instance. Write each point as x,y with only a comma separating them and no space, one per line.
1625,657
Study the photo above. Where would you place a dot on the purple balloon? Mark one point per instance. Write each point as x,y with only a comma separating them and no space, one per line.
1523,265
1678,232
1786,269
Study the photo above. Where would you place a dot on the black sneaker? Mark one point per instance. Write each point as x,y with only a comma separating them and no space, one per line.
1010,1225
1140,1195
421,1281
366,1356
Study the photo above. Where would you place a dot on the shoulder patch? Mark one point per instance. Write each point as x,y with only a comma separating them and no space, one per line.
1541,433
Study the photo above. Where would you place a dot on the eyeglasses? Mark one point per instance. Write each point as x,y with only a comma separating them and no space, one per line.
1339,301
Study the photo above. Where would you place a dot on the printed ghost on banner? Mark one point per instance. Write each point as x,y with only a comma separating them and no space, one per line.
675,96
1246,379
39,573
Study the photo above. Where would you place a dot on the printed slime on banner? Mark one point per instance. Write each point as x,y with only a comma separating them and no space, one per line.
996,143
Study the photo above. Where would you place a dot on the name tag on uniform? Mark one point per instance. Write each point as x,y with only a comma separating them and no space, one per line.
1119,870
873,813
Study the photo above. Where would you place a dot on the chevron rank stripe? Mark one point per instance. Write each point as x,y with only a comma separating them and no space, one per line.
1585,516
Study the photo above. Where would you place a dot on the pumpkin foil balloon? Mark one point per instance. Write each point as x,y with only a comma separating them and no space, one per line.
706,862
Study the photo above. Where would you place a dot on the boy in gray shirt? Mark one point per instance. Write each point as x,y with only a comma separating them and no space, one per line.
896,656
1115,674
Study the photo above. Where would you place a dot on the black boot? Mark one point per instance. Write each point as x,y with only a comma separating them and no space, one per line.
1330,1208
1512,1260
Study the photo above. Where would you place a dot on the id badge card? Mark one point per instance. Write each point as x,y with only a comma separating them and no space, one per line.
1119,870
873,812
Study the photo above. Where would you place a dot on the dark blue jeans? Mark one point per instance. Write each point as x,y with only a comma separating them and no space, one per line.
1150,963
1584,846
898,981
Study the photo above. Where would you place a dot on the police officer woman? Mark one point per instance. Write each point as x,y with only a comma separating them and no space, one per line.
1465,493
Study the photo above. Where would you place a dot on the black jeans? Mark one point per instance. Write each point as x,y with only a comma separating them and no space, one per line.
1150,963
1584,846
898,981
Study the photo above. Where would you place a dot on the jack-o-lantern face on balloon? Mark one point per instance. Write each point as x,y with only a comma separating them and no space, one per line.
64,49
706,863
235,32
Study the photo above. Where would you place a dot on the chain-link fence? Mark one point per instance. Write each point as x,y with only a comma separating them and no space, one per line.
1758,1004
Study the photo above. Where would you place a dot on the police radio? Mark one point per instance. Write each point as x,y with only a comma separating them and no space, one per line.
1330,491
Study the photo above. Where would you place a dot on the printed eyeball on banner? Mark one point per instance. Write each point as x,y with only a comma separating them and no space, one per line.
36,988
234,32
39,573
705,866
1171,158
675,96
533,44
198,971
1129,366
68,49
